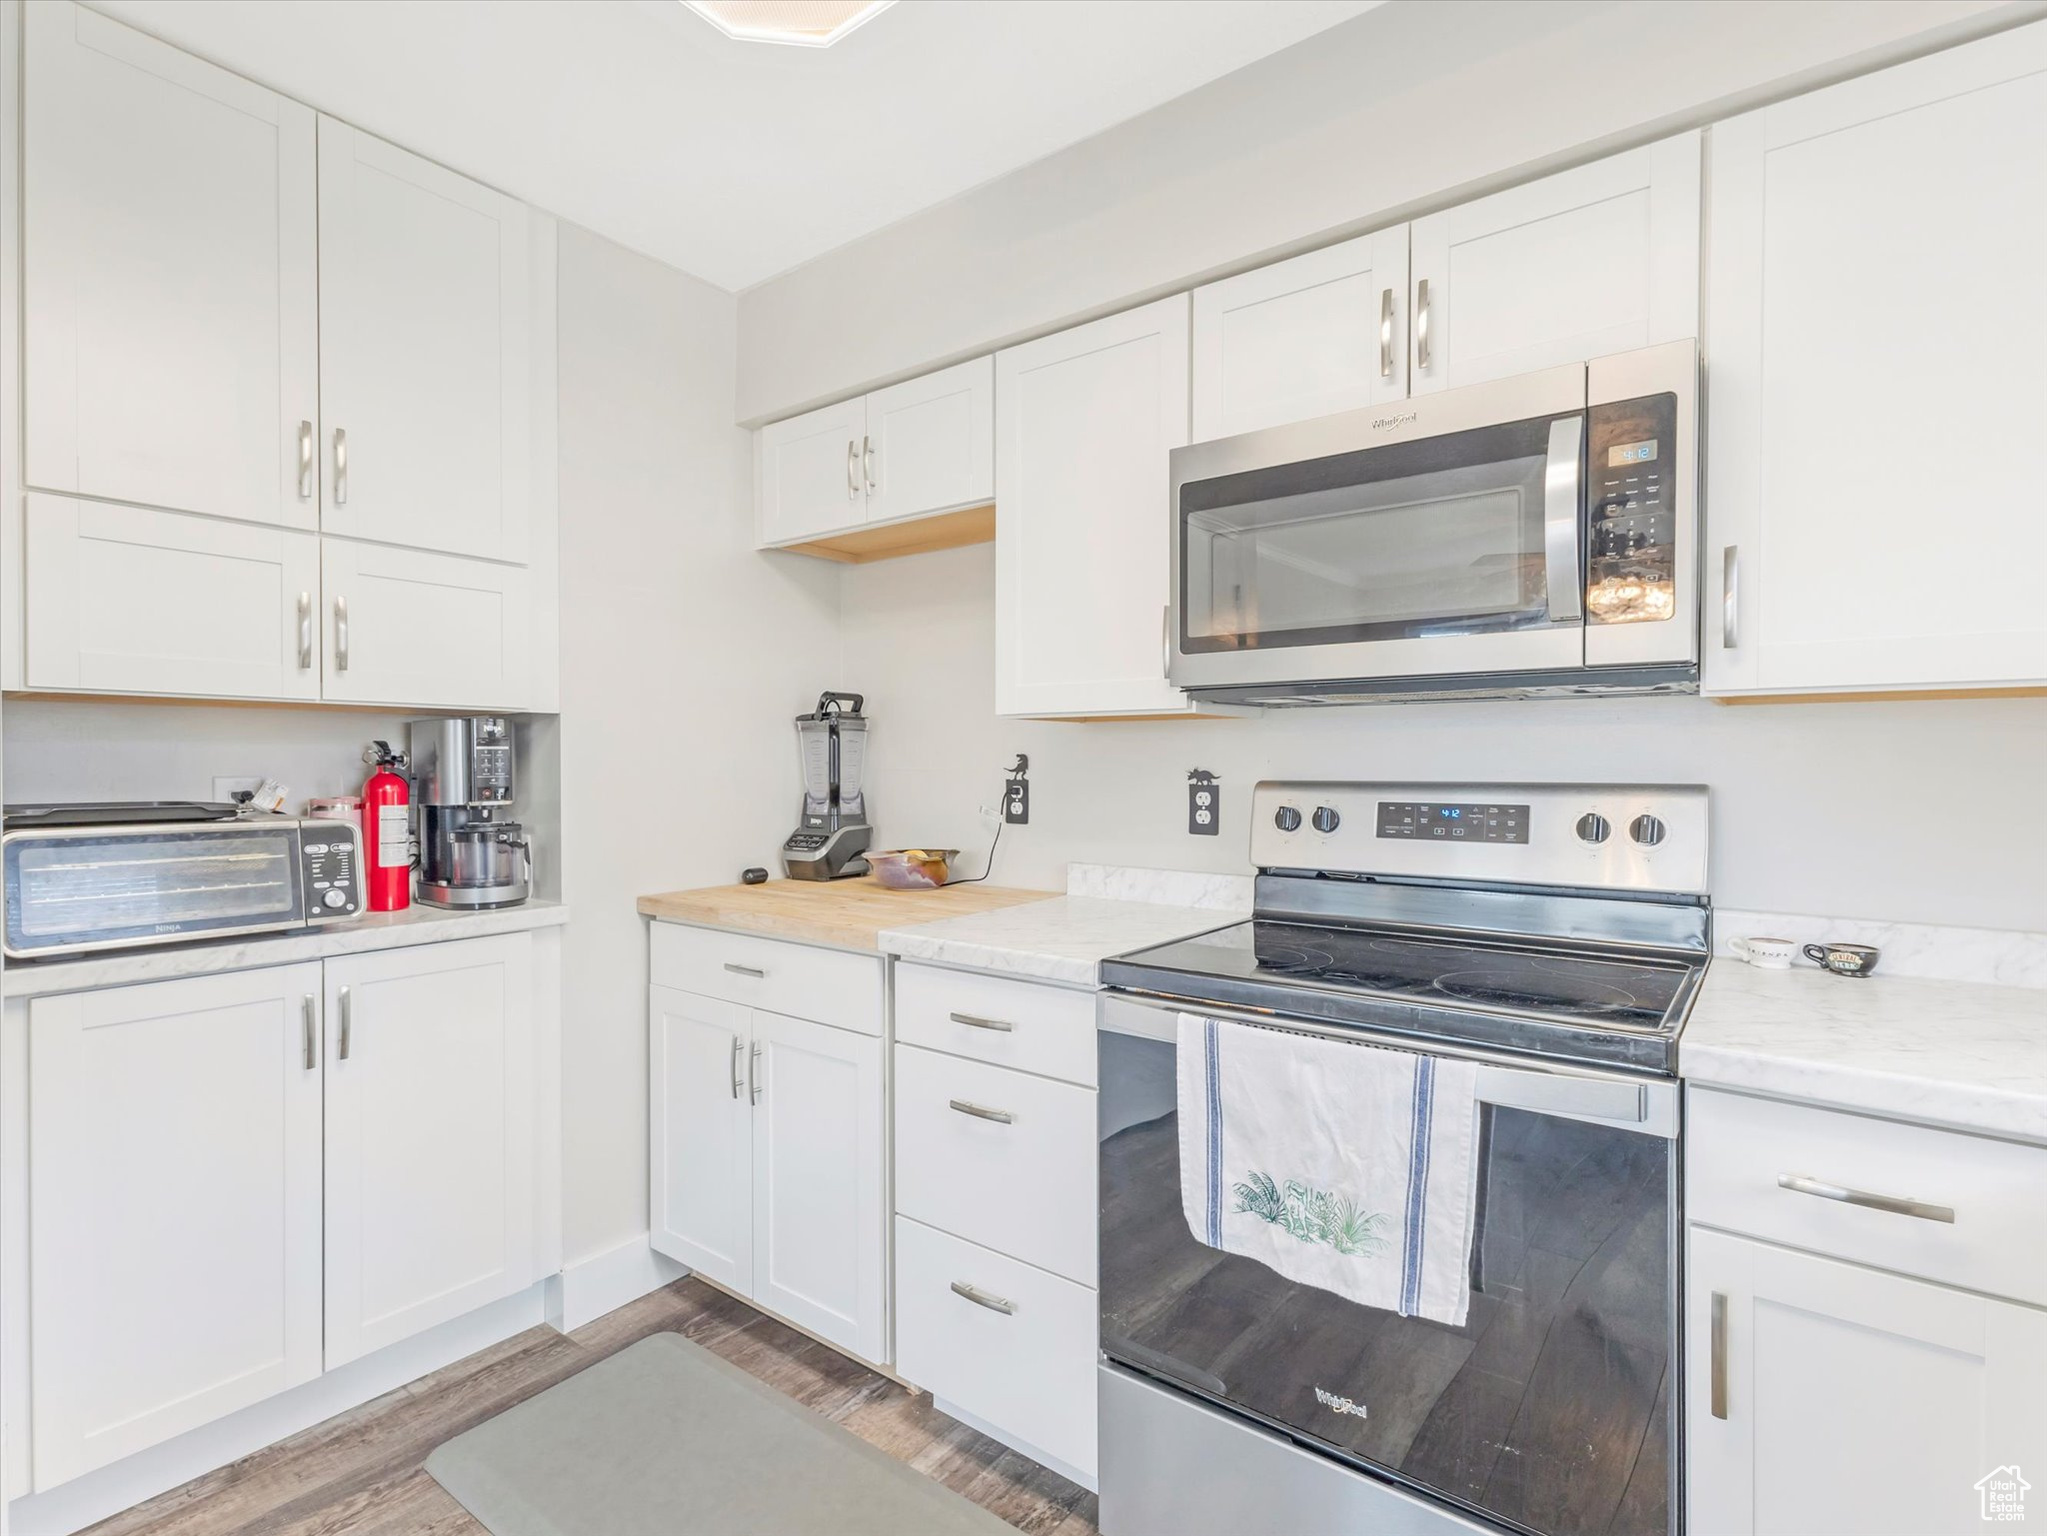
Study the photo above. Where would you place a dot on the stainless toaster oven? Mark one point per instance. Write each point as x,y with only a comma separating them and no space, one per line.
81,878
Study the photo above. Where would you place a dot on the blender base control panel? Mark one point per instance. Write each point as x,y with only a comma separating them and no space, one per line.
332,869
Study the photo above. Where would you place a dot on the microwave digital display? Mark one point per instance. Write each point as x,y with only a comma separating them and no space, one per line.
1630,453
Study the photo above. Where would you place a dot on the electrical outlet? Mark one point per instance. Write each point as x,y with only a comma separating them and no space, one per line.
1016,801
1204,805
226,788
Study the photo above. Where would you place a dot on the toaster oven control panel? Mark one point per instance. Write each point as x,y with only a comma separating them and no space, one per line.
1631,537
331,866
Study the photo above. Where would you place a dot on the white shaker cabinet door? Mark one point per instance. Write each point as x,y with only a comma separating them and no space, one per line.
174,1208
424,352
819,1216
169,277
701,1119
405,627
930,443
1832,1400
128,600
811,478
1878,381
431,1139
1321,333
1603,258
1085,423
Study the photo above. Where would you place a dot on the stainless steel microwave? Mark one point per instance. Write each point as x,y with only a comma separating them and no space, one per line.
1530,535
76,883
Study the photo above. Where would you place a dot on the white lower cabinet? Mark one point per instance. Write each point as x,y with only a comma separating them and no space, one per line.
767,1143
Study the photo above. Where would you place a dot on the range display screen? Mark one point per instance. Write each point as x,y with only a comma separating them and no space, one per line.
1468,823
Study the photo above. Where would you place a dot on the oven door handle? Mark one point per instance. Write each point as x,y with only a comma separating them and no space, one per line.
1562,479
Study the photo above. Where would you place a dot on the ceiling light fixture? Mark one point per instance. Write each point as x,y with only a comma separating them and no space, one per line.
803,23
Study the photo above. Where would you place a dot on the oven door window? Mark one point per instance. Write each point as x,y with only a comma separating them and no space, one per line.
1549,1410
1439,536
66,891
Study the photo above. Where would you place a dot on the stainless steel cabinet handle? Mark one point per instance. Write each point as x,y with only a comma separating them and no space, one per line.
1386,333
753,1075
983,1112
746,970
1730,597
305,461
981,1298
340,467
1421,323
737,1046
340,634
305,630
1166,641
308,1048
1562,572
975,1021
1897,1205
852,470
1718,1390
867,461
347,1019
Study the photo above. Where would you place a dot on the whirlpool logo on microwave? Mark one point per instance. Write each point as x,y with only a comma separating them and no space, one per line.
1341,1404
1381,423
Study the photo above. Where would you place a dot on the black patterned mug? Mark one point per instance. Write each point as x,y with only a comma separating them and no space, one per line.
1843,959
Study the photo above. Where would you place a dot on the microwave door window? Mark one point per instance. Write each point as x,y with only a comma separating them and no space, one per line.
73,889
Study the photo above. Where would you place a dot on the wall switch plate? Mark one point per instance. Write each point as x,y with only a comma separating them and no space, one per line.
1204,805
1016,801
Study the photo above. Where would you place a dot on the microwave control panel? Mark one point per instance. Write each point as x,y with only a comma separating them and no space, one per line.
1631,537
332,870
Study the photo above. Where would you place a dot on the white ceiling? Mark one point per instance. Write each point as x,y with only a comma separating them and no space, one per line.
734,161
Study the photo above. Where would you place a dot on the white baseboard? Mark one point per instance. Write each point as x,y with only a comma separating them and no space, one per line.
86,1500
590,1287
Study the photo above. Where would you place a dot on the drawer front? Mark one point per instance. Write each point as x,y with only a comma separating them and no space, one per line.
1023,1185
827,985
1021,1357
1021,1024
1739,1149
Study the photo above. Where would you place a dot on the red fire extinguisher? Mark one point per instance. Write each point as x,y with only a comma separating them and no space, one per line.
386,837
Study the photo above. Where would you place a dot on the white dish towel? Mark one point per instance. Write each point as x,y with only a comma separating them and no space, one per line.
1345,1167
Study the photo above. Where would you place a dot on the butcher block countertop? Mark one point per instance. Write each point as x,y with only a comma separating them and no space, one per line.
845,914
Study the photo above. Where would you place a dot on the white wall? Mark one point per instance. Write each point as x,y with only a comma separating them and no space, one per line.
684,657
1415,104
1907,811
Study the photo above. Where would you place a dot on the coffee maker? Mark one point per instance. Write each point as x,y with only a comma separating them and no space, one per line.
462,778
831,744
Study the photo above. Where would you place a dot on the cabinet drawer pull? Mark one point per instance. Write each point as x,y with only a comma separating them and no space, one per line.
737,1047
347,1020
1421,323
305,630
305,461
1386,333
1719,1383
340,467
981,1298
746,970
983,1112
1805,1184
975,1021
309,1050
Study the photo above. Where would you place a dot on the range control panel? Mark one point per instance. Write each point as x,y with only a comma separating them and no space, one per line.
331,867
1632,837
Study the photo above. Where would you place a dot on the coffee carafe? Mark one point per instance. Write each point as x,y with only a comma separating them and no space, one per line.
471,854
831,744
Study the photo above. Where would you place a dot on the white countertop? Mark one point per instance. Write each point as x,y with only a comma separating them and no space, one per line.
1949,1053
417,924
1063,939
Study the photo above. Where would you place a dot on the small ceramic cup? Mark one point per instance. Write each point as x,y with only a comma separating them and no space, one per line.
1765,954
1843,959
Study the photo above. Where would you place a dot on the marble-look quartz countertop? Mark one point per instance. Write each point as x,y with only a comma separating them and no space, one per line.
1958,1054
1065,939
417,924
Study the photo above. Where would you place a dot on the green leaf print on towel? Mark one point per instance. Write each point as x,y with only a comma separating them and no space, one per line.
1313,1215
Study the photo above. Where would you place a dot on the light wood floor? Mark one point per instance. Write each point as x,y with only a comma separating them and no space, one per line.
363,1472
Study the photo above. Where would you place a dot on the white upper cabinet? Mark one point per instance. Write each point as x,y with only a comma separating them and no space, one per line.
1321,333
170,277
1878,378
1604,258
809,472
1085,423
424,342
930,443
402,626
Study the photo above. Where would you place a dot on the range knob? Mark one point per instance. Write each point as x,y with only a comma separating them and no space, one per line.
1326,819
1646,830
1594,828
1287,819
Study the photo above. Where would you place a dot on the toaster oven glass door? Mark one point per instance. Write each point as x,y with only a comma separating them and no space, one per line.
66,893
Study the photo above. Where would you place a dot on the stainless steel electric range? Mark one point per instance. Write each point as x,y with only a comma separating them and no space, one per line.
1553,934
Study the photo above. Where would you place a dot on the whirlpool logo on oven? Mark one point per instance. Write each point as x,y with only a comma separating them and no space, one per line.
1341,1404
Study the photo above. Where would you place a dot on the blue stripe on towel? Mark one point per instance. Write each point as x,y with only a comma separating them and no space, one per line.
1418,1184
1213,1083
